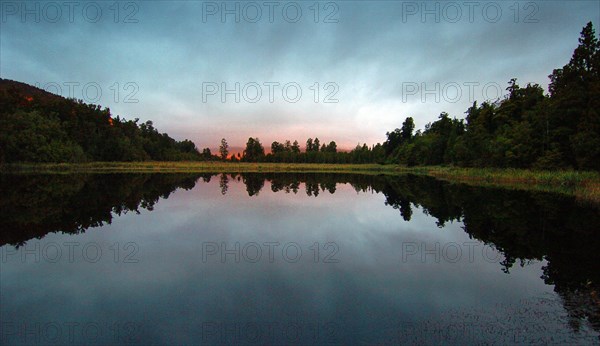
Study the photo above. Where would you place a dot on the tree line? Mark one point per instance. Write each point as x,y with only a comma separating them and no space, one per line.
288,152
526,129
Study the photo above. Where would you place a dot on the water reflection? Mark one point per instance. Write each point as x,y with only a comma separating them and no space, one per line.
33,206
522,226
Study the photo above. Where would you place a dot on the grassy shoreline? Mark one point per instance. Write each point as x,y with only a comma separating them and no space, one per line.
193,167
583,185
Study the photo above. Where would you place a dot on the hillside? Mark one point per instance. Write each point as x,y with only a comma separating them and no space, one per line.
38,126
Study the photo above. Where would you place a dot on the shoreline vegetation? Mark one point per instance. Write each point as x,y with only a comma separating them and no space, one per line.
584,185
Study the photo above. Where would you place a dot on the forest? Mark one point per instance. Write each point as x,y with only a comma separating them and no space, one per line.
37,126
528,129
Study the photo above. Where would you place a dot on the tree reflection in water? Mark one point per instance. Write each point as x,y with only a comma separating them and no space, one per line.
522,226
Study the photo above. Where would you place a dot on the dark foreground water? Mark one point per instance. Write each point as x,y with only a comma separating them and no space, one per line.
292,259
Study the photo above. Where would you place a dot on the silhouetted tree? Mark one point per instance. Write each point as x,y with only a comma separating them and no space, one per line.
224,149
296,147
254,150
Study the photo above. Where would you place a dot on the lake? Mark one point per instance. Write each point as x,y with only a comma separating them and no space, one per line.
293,259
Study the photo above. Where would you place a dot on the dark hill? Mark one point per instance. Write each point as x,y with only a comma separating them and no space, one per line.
38,126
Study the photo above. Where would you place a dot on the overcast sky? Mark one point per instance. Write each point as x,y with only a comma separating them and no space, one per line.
367,64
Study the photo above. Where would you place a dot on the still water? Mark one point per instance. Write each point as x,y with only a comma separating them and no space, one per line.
292,259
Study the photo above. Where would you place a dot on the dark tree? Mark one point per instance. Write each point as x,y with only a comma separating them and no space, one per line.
296,147
224,149
309,145
254,150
